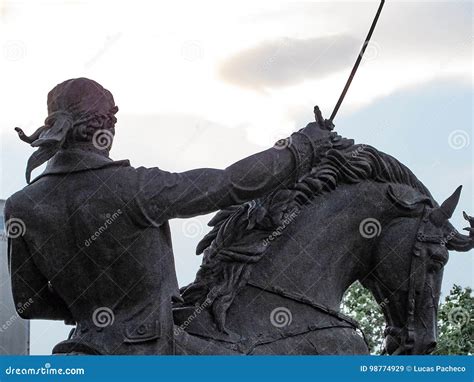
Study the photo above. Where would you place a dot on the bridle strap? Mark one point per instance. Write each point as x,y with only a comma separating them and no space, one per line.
413,281
411,303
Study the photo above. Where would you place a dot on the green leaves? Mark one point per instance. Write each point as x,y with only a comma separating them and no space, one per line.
359,304
456,322
455,319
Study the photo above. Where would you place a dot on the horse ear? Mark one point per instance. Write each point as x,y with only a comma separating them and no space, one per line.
408,200
441,214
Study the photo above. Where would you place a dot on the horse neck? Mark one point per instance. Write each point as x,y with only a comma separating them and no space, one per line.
323,252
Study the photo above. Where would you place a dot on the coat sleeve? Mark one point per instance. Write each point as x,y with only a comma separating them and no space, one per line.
164,195
33,297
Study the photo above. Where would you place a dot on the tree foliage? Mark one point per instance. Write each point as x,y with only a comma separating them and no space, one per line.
455,319
456,322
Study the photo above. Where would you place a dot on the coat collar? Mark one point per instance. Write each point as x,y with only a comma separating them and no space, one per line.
75,160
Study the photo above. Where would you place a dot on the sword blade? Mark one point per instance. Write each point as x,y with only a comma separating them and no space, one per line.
359,58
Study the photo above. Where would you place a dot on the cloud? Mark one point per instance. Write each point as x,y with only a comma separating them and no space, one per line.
179,142
434,35
289,61
424,29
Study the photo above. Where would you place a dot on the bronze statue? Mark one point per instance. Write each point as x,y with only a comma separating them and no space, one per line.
97,243
295,230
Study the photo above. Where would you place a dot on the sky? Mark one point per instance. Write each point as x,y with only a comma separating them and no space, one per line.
206,83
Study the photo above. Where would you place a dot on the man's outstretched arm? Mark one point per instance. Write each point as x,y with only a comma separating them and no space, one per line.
163,195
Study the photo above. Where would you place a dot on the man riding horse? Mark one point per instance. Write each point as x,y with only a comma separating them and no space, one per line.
96,249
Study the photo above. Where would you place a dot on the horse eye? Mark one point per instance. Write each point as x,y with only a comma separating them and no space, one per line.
435,266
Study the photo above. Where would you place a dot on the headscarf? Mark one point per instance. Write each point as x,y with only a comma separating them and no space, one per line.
73,102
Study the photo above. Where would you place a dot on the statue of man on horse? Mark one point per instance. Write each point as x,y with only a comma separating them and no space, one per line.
97,241
294,231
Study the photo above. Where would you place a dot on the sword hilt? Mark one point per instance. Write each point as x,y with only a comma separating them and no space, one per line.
325,123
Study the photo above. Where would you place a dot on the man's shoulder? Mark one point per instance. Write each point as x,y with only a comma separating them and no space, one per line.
123,172
16,202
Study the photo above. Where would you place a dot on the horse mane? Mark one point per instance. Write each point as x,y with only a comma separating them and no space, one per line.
241,234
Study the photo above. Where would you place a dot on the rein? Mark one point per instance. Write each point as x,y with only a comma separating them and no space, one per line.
309,302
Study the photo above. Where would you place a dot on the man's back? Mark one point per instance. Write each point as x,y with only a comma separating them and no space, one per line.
84,236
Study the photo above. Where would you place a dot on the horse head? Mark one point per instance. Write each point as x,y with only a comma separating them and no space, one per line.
408,271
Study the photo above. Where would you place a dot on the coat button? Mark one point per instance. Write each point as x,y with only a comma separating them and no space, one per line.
141,329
